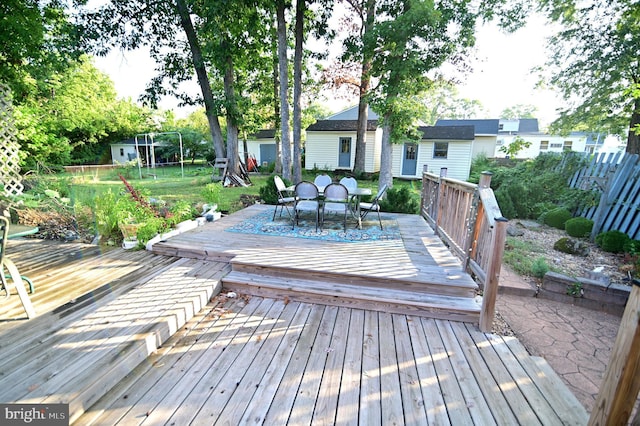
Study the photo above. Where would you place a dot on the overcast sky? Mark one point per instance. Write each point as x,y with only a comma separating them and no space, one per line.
501,76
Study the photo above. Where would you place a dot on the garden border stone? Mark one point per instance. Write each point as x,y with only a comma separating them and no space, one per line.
596,295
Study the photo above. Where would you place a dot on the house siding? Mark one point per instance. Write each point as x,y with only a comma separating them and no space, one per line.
321,150
458,161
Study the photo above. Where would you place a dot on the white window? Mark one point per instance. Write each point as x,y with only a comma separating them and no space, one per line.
556,145
440,149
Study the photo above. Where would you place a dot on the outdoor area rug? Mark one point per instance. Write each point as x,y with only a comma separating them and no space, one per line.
333,230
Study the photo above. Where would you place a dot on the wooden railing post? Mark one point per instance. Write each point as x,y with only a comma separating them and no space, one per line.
485,179
490,292
621,382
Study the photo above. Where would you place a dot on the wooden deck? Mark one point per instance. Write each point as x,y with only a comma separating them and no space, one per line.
415,274
142,345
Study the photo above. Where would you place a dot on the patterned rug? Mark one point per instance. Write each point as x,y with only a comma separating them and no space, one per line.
333,230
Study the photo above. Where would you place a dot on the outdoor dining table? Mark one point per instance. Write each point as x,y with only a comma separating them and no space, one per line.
354,193
16,231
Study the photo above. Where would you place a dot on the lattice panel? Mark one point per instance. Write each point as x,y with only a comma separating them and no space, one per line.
9,147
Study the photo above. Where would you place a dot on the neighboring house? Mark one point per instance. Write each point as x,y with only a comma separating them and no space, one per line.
441,147
486,134
262,146
125,151
331,146
331,143
503,132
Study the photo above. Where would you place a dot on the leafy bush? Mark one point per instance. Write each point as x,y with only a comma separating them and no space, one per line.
579,227
632,247
400,200
539,267
527,188
571,246
557,218
612,241
211,193
269,192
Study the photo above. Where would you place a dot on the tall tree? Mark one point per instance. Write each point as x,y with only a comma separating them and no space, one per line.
297,89
412,37
596,66
162,27
283,74
519,111
443,101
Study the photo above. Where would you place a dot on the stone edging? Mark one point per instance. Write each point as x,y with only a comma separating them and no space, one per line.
585,292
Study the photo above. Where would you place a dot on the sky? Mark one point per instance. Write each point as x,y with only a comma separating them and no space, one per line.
501,76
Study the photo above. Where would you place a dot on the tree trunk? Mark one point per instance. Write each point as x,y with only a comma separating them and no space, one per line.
276,106
386,156
365,82
232,122
284,89
633,140
203,79
297,92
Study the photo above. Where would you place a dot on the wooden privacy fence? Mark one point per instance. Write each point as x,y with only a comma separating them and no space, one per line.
468,219
616,177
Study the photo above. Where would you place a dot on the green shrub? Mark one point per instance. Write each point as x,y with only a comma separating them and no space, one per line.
612,241
632,247
400,200
579,227
539,267
269,192
557,218
571,246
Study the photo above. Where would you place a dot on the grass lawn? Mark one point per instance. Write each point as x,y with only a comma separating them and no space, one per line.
169,185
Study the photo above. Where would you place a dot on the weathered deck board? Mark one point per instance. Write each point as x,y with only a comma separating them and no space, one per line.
255,359
269,362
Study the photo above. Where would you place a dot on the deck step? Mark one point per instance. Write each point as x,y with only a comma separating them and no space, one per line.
426,280
355,296
79,362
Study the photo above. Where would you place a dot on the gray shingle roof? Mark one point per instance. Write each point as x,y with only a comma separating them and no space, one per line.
447,132
264,134
482,127
340,125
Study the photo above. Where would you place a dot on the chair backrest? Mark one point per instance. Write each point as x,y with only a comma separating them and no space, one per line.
379,194
349,182
322,180
306,191
336,192
280,186
4,231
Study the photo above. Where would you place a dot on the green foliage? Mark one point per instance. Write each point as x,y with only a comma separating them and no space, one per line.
400,200
612,241
579,227
211,192
269,192
601,35
571,246
557,218
527,188
632,247
575,289
517,145
539,267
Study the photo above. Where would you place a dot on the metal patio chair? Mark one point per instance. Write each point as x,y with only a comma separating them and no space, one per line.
284,201
374,205
306,200
336,200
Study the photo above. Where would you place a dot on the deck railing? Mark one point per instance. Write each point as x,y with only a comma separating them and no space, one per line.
467,218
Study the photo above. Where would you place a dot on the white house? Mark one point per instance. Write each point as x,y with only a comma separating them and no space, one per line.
125,151
262,146
331,143
503,132
331,146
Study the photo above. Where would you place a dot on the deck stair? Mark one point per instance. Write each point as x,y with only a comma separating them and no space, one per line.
430,293
79,355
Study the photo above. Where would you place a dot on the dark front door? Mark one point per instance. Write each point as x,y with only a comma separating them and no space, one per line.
344,154
410,159
267,153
